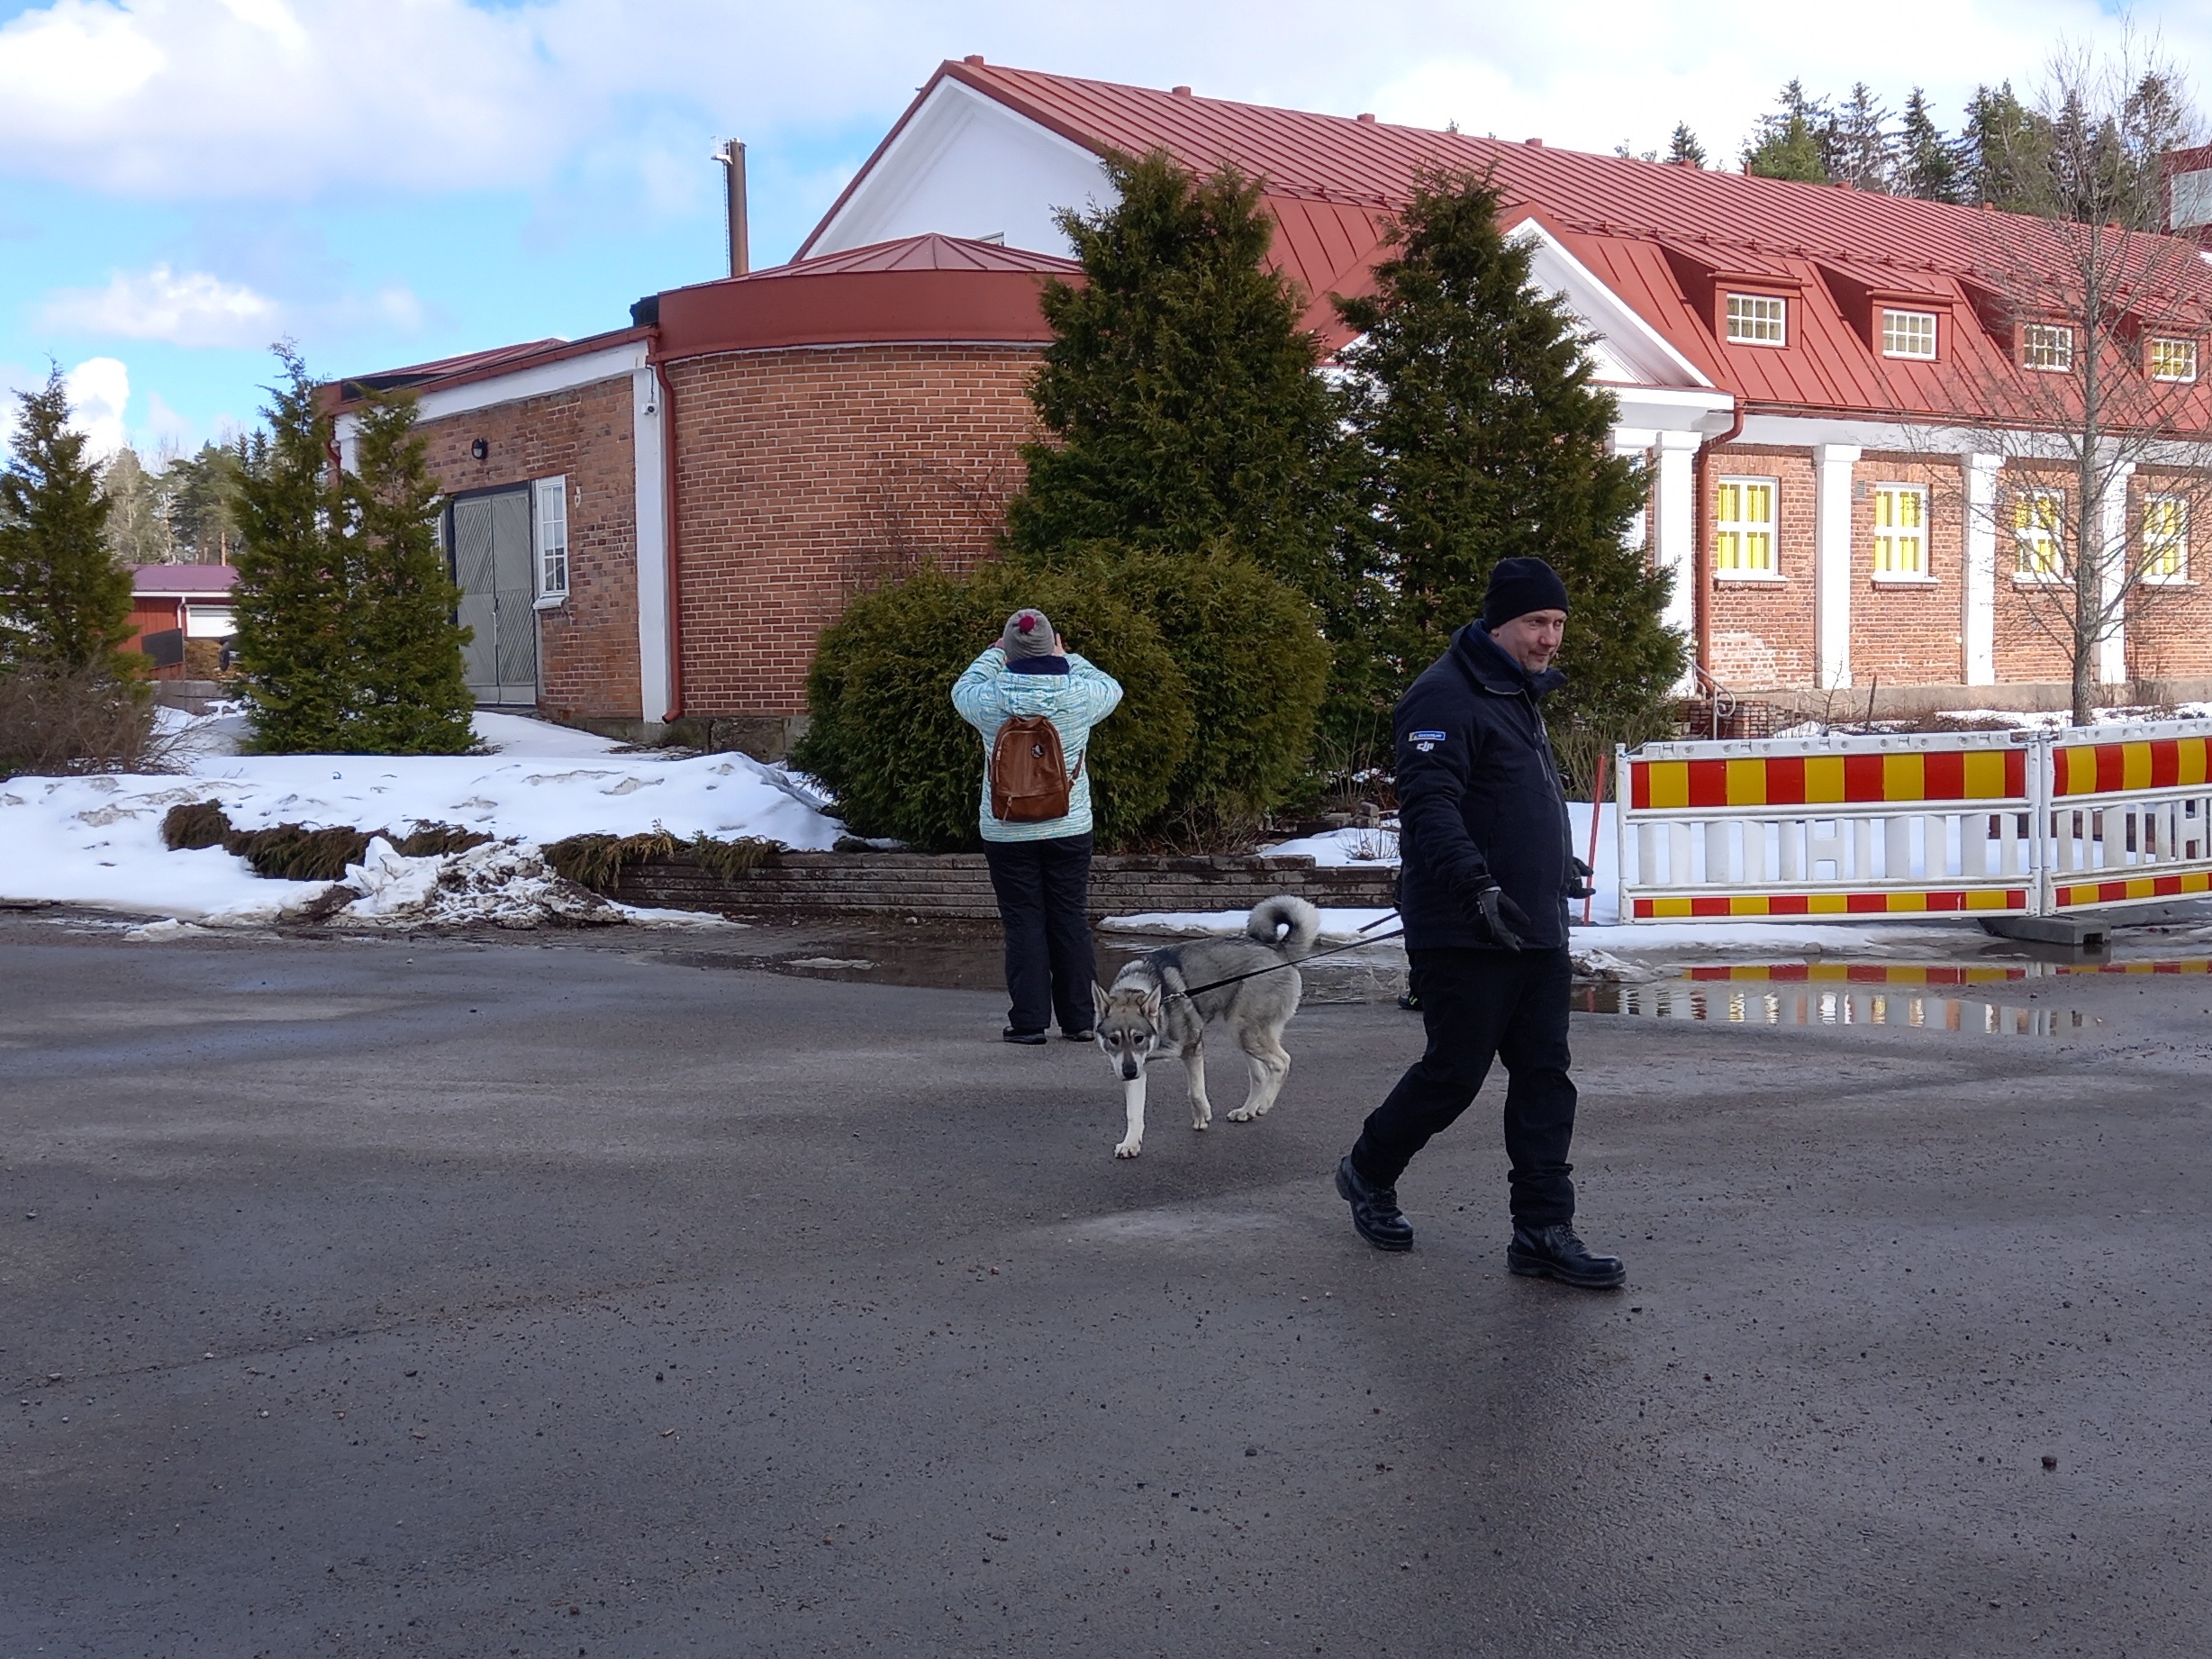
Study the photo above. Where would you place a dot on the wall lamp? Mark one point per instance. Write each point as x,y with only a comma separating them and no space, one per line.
479,449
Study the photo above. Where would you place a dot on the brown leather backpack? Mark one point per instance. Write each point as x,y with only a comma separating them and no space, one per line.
1029,780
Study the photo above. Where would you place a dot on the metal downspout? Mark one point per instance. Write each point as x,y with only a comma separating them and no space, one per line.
673,564
1702,543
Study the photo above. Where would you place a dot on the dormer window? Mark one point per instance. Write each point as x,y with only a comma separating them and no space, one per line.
2047,346
2173,360
1908,334
1758,320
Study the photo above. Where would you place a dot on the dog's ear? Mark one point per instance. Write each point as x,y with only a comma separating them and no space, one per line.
1099,999
1153,1001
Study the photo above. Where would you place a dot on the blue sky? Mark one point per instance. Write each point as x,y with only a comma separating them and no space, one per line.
389,181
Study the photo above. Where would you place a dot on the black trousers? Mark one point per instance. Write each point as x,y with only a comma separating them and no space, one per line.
1044,892
1480,1005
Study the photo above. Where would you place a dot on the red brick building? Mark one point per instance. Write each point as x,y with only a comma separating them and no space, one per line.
1822,381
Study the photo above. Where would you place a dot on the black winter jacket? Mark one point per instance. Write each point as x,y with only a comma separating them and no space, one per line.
1479,798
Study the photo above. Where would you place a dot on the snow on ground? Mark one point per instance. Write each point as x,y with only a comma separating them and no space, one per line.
98,840
1337,848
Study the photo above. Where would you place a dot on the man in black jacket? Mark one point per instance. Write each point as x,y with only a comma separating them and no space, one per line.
1485,875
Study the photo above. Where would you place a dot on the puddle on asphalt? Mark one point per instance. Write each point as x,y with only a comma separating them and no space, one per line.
1756,1002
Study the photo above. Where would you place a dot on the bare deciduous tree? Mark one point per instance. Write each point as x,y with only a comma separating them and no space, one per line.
2095,392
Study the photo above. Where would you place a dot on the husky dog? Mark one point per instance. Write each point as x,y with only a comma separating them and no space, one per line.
1146,1012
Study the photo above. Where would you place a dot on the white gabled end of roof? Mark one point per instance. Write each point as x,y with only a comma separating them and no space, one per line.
965,165
1628,351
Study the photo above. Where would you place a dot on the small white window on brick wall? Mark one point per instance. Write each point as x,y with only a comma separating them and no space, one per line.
1901,533
1907,333
2047,346
1744,527
2038,517
549,522
1758,320
2165,539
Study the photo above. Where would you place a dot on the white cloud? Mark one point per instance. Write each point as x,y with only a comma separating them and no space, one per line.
99,389
182,308
247,98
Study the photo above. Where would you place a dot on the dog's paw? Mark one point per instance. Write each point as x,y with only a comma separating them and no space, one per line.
1201,1118
1243,1114
1128,1148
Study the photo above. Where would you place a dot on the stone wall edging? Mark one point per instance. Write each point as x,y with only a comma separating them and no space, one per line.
956,886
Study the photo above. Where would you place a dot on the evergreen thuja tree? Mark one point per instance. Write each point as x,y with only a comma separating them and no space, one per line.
411,697
64,603
1181,397
294,642
1485,440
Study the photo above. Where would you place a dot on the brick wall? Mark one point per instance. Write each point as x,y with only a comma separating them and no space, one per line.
805,475
1762,632
1910,633
956,887
587,648
2170,623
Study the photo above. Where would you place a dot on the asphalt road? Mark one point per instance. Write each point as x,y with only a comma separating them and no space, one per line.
515,1299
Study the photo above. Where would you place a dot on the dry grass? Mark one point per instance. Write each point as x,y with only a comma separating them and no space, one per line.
62,722
294,852
597,861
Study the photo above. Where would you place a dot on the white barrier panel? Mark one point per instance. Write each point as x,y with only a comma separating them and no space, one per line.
2131,815
1991,824
1911,824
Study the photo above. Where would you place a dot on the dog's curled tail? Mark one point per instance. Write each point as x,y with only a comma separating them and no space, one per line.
1285,923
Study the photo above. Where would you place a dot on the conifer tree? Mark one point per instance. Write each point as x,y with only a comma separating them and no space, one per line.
1792,152
1683,148
1181,396
64,603
412,697
1486,441
2007,150
292,596
1927,165
1862,142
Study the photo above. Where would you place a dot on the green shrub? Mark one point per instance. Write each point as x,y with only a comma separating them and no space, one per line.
1251,649
887,741
294,853
193,824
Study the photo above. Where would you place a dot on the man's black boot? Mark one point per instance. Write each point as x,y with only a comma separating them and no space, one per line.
1556,1253
1374,1209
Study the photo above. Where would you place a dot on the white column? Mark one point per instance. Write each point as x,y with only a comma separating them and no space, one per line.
1832,464
1979,624
1675,539
647,426
2113,555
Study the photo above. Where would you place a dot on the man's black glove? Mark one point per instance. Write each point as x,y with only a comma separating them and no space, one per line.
1578,880
1505,921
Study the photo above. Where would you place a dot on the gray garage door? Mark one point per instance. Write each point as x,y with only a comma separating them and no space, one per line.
490,563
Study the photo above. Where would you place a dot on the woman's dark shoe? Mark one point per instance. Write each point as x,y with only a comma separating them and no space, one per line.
1374,1209
1027,1040
1556,1253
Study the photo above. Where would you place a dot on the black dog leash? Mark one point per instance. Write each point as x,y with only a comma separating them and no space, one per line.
1275,968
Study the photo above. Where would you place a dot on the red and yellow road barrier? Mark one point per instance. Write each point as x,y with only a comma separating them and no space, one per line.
1756,904
2114,768
1942,777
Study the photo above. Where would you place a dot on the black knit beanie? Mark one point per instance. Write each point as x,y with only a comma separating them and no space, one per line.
1519,586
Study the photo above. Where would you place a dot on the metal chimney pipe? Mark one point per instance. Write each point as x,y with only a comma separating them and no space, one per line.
731,155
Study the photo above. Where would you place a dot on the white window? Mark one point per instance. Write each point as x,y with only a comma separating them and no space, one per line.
2165,539
1907,333
550,525
2173,360
1758,320
2047,345
1901,532
2038,516
1743,512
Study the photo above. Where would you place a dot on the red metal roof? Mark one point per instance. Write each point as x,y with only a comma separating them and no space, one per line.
916,289
930,252
183,581
1664,238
